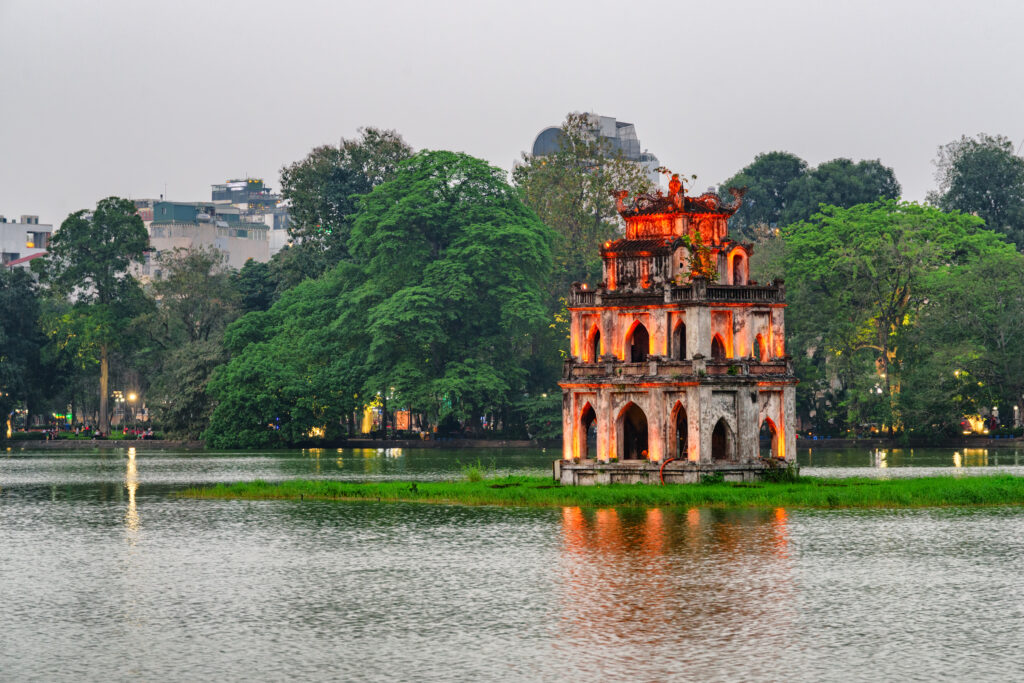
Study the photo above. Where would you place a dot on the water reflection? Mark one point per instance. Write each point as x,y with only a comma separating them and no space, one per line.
652,577
131,482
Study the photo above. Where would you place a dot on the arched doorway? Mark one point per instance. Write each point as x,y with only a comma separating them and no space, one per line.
680,433
633,431
679,342
594,345
739,273
717,348
721,441
639,344
759,349
588,432
768,439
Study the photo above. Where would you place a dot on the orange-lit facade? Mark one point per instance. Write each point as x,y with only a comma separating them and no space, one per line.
676,354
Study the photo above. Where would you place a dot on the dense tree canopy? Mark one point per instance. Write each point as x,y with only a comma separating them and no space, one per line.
570,191
782,189
442,302
857,279
985,177
322,191
21,339
768,180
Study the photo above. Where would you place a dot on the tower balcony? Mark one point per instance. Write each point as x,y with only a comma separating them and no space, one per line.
657,369
696,292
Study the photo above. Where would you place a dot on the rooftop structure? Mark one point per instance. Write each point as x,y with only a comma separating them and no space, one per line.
678,363
173,225
23,240
620,136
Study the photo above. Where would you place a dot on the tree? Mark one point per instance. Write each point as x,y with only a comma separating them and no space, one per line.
570,191
857,278
455,269
20,339
983,176
195,301
769,180
442,300
256,286
89,262
839,182
968,348
321,189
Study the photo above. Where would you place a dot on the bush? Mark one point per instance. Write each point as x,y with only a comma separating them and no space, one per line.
712,478
28,436
789,474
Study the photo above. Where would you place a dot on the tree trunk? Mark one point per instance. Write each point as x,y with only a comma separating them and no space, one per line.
104,377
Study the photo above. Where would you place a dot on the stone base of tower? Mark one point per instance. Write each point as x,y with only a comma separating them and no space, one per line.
591,472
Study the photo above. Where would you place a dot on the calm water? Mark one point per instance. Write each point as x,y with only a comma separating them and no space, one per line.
105,576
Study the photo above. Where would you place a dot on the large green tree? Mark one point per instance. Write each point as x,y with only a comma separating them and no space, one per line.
196,298
857,278
89,262
443,300
782,189
769,180
570,190
983,176
839,182
322,191
966,353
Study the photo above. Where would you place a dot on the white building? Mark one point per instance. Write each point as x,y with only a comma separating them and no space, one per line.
22,241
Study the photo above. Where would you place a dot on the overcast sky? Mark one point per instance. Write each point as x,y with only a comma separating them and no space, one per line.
124,97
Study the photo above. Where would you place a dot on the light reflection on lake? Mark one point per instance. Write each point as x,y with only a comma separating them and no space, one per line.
105,575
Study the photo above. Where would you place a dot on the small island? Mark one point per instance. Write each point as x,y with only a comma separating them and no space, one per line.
798,492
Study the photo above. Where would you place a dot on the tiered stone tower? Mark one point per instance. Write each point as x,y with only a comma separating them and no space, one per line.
678,359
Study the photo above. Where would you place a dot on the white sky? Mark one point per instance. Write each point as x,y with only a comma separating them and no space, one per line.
120,97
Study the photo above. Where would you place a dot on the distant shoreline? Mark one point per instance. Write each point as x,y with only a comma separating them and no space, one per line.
553,445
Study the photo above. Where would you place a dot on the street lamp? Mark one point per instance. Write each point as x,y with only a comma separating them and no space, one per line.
131,399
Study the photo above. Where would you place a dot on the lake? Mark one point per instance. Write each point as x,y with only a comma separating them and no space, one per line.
104,574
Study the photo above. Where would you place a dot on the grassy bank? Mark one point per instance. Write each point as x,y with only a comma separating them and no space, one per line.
810,492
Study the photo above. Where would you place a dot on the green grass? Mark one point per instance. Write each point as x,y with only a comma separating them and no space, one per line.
807,492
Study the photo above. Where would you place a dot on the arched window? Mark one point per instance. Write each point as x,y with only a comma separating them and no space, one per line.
588,432
638,344
760,351
681,433
721,441
594,346
739,272
679,342
633,433
717,348
769,439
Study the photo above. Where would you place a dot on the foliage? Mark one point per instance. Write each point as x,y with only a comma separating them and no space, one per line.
570,192
857,279
256,286
452,270
541,414
196,299
839,182
88,262
983,176
442,301
768,180
322,189
967,352
20,339
782,189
